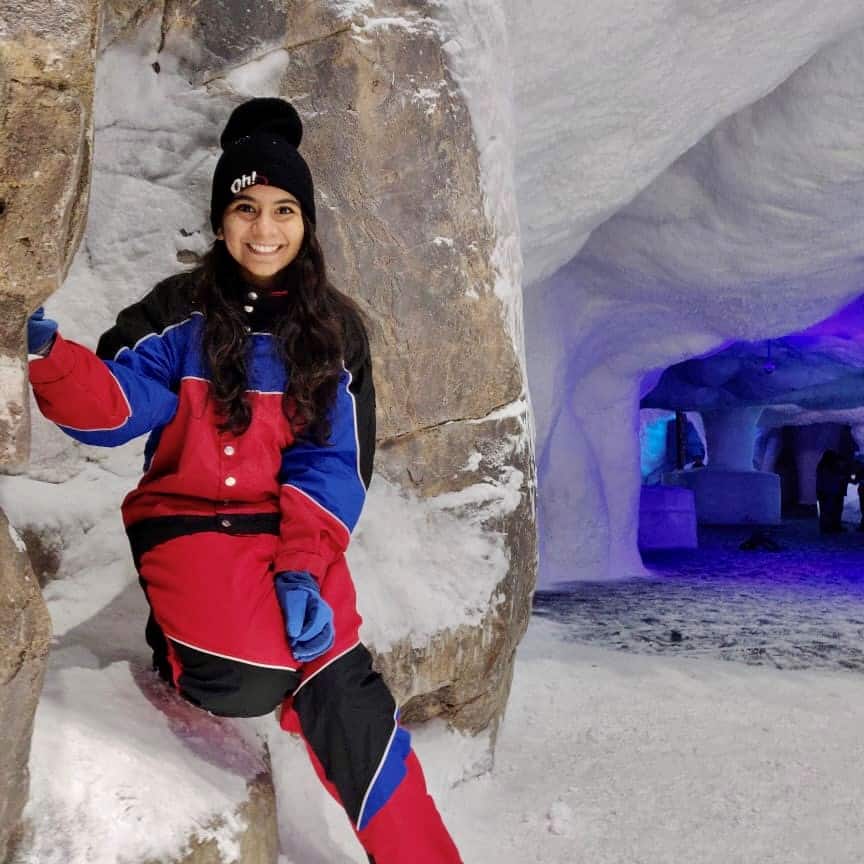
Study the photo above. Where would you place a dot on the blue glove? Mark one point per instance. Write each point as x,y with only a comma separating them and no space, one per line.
40,333
308,618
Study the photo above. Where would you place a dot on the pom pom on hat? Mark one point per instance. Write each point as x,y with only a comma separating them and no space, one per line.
263,115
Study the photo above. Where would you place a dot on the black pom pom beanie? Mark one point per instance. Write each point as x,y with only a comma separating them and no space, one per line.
259,146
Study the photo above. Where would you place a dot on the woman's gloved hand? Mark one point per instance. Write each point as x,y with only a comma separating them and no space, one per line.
40,333
308,618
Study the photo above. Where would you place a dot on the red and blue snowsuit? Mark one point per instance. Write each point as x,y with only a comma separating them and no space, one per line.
216,515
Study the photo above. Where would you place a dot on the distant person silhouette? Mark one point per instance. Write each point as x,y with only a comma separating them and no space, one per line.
858,477
833,474
861,498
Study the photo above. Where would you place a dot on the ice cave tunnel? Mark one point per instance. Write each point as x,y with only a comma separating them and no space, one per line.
759,417
727,289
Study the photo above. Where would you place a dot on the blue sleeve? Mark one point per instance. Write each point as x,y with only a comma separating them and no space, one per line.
322,491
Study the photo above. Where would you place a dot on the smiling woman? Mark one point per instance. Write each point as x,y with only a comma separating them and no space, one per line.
253,377
263,231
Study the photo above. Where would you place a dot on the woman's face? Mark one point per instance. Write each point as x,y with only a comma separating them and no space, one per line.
263,231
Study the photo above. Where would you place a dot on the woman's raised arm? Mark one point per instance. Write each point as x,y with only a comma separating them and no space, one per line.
124,390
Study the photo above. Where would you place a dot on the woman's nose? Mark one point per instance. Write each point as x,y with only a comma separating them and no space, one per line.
263,224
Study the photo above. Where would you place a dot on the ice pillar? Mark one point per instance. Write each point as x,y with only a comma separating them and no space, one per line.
729,491
772,447
731,436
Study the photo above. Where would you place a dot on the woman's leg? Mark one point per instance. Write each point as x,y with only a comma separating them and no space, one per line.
348,718
216,628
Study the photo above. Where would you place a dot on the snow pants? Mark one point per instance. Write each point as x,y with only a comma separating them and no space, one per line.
218,637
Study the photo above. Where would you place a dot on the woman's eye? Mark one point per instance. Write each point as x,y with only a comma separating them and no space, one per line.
286,211
245,208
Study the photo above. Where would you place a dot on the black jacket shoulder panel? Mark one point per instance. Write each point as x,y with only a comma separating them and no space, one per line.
169,302
358,361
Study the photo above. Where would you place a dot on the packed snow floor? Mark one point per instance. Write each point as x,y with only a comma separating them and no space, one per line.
799,607
604,757
615,758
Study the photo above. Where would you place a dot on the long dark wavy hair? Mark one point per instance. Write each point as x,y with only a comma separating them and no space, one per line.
312,335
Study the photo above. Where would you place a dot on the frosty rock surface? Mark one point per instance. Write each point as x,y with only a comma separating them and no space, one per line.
46,88
138,774
464,675
257,844
398,178
402,217
24,634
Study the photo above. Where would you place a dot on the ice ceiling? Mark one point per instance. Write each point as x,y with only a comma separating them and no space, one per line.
690,179
819,368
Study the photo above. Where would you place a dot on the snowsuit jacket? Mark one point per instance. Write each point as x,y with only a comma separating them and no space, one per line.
226,511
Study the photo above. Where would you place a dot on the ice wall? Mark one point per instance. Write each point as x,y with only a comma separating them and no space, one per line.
609,94
752,233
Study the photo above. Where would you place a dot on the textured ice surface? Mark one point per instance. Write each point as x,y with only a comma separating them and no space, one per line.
752,233
608,756
608,95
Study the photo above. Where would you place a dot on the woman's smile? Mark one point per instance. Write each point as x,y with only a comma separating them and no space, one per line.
262,249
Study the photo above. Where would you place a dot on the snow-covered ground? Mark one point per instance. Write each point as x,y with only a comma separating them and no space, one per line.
605,756
608,758
612,758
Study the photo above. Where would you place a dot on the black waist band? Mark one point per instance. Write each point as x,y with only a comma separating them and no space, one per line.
147,533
